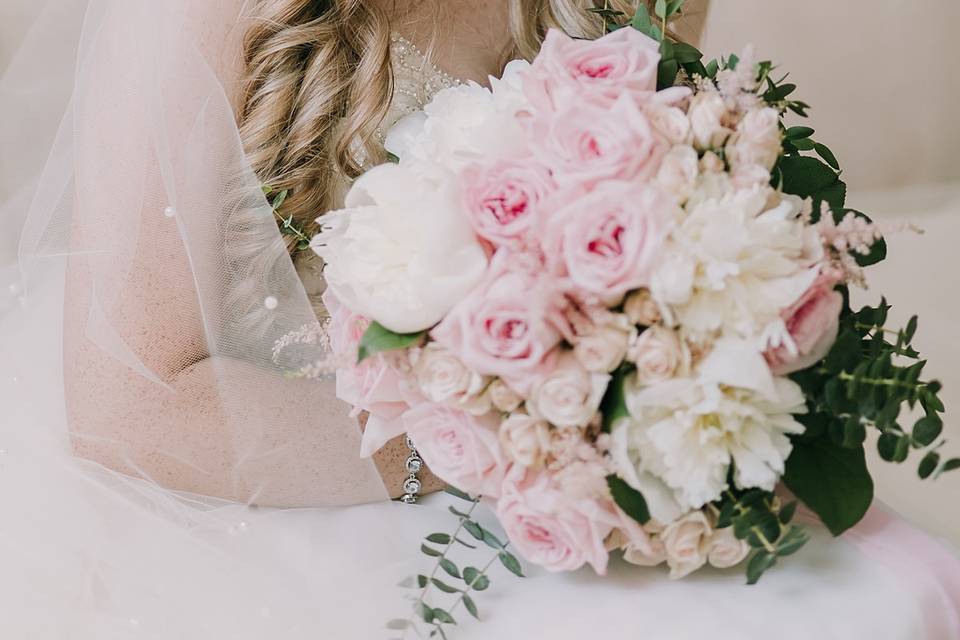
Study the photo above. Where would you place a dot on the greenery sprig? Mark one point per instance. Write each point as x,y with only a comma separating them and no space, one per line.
448,578
298,236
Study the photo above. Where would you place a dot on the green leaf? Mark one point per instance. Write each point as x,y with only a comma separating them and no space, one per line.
798,133
887,446
511,563
448,565
425,611
758,565
660,8
667,73
686,53
614,403
439,538
378,338
279,199
644,24
846,352
794,539
787,512
712,68
457,493
928,465
951,465
430,551
807,177
832,481
628,499
927,430
824,152
878,251
422,581
471,606
474,529
392,158
443,586
443,617
470,574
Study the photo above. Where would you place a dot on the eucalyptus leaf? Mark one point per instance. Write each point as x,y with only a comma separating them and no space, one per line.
511,563
758,565
450,567
927,430
430,551
443,586
613,407
928,465
439,538
457,493
471,606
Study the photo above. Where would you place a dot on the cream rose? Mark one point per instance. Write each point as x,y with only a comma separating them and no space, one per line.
442,377
672,123
757,140
525,439
658,353
686,544
503,397
678,172
707,112
603,349
641,308
569,396
726,550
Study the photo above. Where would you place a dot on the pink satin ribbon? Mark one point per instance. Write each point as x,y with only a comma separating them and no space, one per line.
929,569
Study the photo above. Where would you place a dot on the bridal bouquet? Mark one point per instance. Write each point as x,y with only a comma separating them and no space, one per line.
609,294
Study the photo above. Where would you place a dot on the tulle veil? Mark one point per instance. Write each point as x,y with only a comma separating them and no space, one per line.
118,137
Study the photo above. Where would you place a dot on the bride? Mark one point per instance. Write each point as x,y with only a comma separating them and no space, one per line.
177,156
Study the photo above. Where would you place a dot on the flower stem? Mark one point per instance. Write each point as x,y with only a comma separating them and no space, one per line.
436,568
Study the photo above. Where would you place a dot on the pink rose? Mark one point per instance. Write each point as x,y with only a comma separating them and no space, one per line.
460,449
813,322
503,328
372,385
585,144
502,199
550,529
607,242
596,71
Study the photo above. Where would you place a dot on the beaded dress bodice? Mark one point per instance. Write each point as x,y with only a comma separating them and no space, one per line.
416,82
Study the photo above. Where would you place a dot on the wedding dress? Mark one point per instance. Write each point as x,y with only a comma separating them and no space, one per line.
90,553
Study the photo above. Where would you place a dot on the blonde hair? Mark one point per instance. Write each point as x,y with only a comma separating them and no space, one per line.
318,84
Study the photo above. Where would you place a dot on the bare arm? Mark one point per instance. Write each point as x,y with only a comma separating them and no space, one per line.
176,428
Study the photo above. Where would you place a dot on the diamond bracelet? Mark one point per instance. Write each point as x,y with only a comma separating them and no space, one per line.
412,485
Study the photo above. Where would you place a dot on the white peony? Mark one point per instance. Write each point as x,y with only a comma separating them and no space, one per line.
735,263
464,124
401,252
687,432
